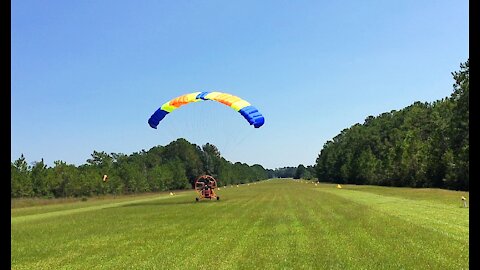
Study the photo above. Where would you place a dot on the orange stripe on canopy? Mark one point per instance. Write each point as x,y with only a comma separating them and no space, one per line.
227,99
179,101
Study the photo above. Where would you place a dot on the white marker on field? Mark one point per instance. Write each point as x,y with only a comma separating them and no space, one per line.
464,201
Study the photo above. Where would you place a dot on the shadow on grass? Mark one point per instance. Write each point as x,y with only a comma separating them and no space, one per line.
170,202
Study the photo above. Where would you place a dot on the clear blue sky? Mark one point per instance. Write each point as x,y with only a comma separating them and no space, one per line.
87,75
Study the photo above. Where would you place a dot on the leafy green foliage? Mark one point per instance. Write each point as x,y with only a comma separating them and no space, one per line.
171,167
422,145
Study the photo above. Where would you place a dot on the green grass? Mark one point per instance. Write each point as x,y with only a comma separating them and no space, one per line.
30,208
277,224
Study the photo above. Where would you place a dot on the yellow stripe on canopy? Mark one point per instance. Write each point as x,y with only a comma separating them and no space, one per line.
222,97
238,105
192,97
167,107
230,99
212,95
180,101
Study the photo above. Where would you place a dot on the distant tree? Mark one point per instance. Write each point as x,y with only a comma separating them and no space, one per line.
258,172
189,154
300,172
460,128
310,172
101,159
271,173
21,184
225,174
211,159
59,178
285,172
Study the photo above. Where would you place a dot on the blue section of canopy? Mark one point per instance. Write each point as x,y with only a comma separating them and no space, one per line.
253,116
156,118
202,95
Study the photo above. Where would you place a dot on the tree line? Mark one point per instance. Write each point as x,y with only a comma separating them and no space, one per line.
299,172
171,167
422,145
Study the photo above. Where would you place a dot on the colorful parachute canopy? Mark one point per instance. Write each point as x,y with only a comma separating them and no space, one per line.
250,113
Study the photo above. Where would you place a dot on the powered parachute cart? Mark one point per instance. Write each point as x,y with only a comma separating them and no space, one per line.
205,186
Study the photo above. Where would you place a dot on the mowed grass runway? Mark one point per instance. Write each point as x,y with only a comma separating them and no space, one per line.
274,224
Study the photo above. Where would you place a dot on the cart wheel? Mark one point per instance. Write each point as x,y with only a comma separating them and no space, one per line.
196,199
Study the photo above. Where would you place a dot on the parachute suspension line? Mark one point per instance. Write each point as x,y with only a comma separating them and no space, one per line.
226,135
175,130
203,125
192,130
201,121
219,133
206,127
236,143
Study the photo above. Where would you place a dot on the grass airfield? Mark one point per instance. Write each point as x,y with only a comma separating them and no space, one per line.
272,224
